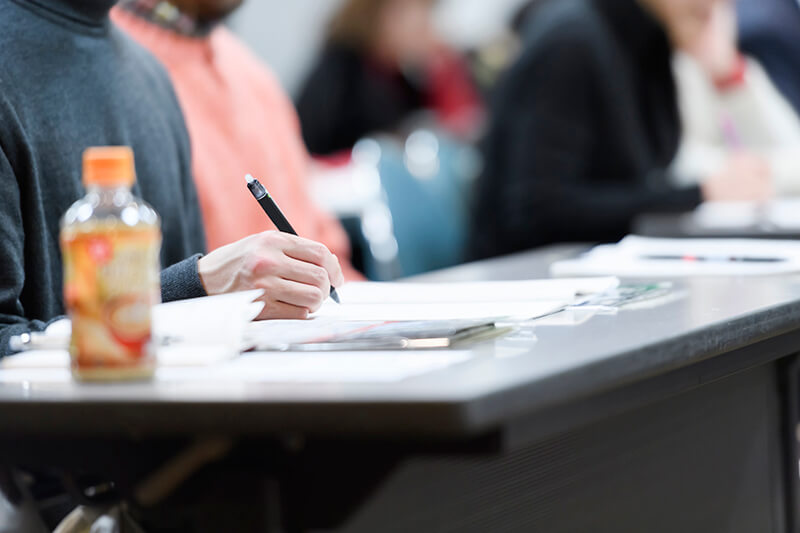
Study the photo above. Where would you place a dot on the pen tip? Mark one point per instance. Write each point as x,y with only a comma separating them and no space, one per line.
249,178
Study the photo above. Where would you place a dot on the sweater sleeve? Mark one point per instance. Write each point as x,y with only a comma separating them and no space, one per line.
554,192
181,281
12,261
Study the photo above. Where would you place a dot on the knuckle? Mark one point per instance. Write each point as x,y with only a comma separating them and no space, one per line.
320,276
319,252
317,299
273,239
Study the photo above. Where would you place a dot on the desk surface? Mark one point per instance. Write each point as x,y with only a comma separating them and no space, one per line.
703,322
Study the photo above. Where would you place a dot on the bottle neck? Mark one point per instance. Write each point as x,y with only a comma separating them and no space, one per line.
114,194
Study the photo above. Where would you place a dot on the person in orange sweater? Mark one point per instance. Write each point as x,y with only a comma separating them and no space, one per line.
239,120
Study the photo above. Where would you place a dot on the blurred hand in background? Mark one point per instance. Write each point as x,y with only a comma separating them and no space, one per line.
714,47
744,177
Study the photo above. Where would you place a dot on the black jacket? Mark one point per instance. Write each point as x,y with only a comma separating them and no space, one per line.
584,127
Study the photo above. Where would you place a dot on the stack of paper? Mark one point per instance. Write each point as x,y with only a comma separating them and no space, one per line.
359,367
453,301
213,327
367,304
642,257
781,214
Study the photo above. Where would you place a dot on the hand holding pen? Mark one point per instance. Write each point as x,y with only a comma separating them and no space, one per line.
296,274
275,214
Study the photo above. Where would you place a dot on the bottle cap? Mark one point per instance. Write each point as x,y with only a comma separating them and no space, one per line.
109,166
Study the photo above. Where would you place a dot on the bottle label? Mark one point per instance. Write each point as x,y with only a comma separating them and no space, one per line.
111,283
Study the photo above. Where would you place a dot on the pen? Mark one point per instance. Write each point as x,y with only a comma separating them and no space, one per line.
720,259
274,213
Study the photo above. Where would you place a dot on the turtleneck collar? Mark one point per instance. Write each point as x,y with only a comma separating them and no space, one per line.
83,12
639,31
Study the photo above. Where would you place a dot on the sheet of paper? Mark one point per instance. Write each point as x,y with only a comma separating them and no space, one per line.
324,367
453,301
443,311
631,258
213,321
727,215
781,214
472,292
181,355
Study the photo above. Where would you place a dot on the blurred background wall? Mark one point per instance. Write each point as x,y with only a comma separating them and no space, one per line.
287,34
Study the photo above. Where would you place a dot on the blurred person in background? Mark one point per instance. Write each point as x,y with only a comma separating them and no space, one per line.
382,63
239,120
730,106
490,60
71,80
769,30
585,126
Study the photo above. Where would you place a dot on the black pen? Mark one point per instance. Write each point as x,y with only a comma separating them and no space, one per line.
274,213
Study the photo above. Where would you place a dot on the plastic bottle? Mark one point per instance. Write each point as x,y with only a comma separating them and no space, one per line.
110,241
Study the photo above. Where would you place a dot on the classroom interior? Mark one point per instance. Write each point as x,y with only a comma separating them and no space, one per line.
400,266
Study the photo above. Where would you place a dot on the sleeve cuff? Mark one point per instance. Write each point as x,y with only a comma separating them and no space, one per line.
181,281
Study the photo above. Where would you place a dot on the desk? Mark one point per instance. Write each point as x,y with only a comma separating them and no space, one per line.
672,418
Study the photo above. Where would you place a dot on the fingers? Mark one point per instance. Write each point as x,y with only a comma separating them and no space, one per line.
317,254
310,274
294,293
280,310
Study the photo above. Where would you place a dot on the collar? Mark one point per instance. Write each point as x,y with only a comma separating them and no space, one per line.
639,32
83,12
168,16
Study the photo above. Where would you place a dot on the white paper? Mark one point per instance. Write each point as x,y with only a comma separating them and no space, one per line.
179,355
783,214
311,367
727,215
332,367
213,323
628,258
520,300
472,292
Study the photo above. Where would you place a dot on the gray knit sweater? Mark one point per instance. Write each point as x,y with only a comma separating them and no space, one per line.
69,80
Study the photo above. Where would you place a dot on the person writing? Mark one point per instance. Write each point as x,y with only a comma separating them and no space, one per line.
222,87
72,80
730,106
586,125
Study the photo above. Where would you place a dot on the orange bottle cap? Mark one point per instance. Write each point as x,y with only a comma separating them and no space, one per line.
109,166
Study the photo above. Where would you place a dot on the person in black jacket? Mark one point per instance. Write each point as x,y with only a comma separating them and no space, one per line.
586,124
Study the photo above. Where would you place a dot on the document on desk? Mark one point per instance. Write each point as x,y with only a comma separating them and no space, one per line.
383,301
373,314
43,368
782,214
644,257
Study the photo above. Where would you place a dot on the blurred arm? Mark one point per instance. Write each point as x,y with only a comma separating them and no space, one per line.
12,260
